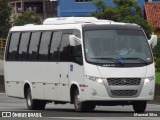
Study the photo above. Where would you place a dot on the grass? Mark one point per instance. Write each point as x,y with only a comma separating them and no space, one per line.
158,77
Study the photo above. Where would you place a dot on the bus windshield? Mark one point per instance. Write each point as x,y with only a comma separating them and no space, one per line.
116,46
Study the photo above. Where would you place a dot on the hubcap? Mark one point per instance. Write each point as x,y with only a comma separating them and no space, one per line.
77,101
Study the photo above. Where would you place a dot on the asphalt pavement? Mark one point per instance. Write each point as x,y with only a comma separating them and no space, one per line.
67,112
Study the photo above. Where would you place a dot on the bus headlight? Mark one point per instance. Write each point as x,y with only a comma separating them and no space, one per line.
148,79
98,80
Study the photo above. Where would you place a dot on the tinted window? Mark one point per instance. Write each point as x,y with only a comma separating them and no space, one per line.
34,45
44,46
77,33
64,49
54,50
24,46
76,54
13,47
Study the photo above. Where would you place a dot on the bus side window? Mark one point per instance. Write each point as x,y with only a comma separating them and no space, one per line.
34,46
13,47
64,49
44,46
23,48
54,49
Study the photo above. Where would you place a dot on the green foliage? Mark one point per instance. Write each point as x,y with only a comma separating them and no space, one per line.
156,52
158,77
100,5
110,13
126,8
26,18
125,11
5,12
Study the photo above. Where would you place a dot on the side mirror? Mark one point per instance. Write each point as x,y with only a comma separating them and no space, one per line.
73,40
153,41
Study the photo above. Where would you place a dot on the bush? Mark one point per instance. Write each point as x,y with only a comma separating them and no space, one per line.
156,52
26,18
5,12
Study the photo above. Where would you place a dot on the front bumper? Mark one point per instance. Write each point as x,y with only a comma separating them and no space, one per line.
101,92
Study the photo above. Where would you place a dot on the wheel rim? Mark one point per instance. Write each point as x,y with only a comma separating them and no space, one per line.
77,101
29,99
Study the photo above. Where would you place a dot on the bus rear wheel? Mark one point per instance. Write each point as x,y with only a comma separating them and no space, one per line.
139,106
34,104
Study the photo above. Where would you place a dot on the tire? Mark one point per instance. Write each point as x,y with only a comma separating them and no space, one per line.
139,106
90,106
82,106
78,105
34,104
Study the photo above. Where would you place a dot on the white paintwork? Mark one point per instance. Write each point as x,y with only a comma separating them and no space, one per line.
107,72
48,84
68,20
64,81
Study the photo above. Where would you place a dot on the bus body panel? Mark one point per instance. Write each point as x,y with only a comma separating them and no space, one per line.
37,73
112,72
76,77
64,81
146,88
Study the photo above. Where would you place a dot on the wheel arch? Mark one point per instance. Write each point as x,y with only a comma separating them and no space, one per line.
26,86
73,87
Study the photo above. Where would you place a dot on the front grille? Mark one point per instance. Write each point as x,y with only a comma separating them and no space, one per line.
124,92
124,81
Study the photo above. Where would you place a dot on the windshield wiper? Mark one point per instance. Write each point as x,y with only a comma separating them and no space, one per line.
138,59
110,59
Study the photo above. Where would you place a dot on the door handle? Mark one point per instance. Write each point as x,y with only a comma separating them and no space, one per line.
60,75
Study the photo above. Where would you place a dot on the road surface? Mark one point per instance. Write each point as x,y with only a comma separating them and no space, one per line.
67,111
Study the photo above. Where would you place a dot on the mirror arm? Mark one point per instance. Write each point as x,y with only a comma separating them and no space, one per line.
150,42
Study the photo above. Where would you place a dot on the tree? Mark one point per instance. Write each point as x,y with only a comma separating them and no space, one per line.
127,11
25,18
157,55
5,12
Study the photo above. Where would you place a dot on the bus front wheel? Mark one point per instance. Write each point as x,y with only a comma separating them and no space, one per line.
82,106
34,104
79,106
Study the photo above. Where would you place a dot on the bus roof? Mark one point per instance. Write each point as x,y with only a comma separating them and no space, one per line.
67,23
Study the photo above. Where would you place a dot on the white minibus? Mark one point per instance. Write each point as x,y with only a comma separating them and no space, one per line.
80,60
